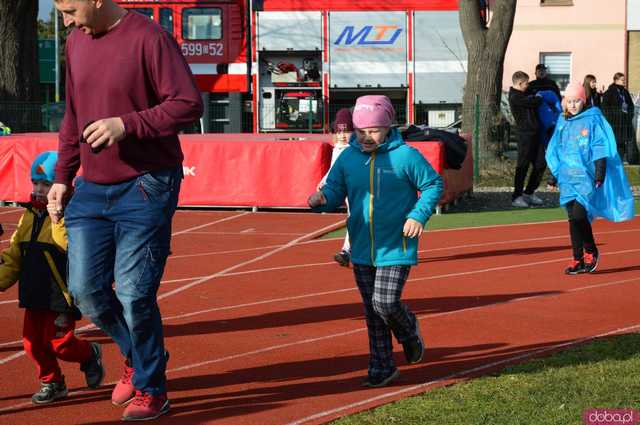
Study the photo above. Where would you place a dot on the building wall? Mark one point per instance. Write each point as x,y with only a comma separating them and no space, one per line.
593,31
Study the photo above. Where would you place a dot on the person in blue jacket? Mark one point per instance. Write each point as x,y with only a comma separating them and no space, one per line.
548,112
381,177
583,157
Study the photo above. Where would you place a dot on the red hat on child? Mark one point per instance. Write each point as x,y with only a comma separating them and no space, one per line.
343,121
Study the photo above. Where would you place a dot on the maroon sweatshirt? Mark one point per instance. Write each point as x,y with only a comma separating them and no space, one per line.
134,71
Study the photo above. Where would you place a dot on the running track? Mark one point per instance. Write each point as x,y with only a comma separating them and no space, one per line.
263,328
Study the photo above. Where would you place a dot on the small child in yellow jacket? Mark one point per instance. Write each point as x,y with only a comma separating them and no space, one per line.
37,258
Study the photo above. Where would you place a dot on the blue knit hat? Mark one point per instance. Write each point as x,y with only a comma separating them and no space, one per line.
43,167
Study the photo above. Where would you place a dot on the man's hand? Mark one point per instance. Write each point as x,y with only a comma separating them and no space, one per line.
56,198
104,133
317,199
412,228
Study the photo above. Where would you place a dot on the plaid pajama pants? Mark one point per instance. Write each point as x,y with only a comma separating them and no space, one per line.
381,289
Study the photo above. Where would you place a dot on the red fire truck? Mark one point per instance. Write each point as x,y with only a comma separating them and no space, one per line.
288,65
212,35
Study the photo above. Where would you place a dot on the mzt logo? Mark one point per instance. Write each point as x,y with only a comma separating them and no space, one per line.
610,417
369,35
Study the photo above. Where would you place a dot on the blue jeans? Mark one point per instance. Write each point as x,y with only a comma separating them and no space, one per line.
121,233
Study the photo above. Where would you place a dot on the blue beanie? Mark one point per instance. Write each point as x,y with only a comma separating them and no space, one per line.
43,167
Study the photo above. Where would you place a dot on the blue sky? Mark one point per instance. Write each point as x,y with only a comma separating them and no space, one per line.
44,7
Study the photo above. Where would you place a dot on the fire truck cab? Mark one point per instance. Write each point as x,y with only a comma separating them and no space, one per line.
212,37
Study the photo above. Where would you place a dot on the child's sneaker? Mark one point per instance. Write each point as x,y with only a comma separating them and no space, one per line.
49,392
591,261
124,391
343,258
146,406
381,381
92,368
575,267
414,347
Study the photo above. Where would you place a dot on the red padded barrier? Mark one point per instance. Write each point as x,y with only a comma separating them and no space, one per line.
263,170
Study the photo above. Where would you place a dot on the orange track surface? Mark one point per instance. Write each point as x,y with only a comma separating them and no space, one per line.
263,328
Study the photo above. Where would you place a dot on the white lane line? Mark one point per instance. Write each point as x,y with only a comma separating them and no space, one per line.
442,276
10,211
249,232
253,304
181,232
462,374
244,263
8,302
200,280
362,329
512,266
231,251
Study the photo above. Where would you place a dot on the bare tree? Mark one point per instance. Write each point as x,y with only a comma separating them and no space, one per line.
19,76
486,48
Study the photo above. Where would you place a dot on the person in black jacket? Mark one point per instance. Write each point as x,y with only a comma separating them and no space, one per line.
543,82
593,96
530,150
617,107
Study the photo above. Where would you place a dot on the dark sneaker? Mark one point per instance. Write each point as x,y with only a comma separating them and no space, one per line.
414,347
591,261
93,369
381,381
575,267
49,392
343,258
146,406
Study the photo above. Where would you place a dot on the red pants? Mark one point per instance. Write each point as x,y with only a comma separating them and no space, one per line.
45,342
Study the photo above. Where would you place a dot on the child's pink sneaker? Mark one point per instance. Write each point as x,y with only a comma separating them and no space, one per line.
124,391
146,406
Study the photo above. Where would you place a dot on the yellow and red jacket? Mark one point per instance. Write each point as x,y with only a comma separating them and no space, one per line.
37,258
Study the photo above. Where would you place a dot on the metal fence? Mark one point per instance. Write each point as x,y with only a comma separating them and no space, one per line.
495,156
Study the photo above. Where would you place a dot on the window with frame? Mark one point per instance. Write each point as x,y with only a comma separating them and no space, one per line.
202,23
556,2
558,67
166,19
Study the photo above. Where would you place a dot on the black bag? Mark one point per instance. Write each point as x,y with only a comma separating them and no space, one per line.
455,147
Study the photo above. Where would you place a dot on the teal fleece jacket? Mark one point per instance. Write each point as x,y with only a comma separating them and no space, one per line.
382,188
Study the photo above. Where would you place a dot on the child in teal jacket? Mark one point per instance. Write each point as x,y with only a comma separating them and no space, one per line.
381,177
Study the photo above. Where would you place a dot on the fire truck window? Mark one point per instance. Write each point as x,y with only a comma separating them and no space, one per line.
166,19
202,24
146,11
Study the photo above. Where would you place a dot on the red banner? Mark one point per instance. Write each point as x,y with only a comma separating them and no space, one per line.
244,170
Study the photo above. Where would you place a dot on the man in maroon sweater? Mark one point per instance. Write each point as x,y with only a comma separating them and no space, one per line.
128,92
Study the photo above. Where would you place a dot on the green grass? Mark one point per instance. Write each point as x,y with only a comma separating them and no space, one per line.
488,218
546,391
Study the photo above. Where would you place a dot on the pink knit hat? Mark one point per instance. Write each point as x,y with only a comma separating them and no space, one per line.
373,111
575,90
